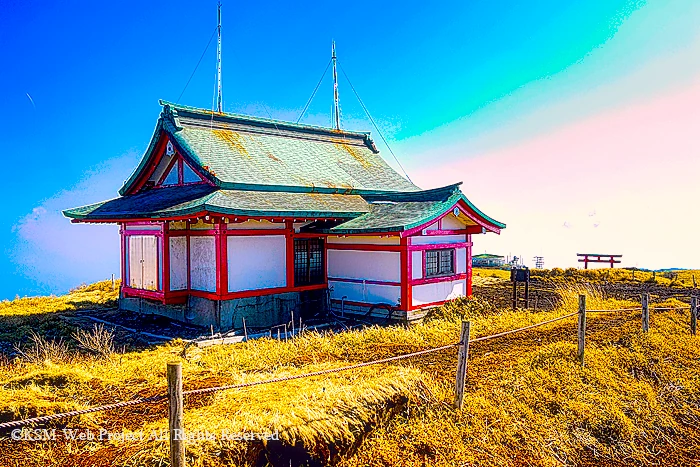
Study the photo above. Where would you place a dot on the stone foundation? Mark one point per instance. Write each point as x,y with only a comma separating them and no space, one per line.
262,311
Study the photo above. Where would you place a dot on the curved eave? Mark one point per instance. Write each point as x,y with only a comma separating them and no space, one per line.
145,160
204,210
486,219
164,127
457,199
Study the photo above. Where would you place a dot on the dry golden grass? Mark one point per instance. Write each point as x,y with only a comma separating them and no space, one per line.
99,294
683,278
528,401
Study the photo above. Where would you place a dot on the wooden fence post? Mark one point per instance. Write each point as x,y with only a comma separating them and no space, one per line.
693,314
175,413
645,312
113,281
581,327
462,358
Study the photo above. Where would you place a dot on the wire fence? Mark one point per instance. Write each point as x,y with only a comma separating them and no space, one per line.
161,397
463,344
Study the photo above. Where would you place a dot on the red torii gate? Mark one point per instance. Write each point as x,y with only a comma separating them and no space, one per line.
586,258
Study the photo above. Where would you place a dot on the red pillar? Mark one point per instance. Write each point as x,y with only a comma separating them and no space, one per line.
289,237
406,298
221,259
123,253
469,265
165,263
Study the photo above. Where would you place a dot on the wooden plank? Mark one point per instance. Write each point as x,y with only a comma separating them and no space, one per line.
175,415
581,327
462,359
693,315
645,312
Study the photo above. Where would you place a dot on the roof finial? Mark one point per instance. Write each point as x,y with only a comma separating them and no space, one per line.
219,97
336,106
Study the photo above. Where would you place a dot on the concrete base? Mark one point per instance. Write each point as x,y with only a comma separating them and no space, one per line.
262,311
359,311
378,311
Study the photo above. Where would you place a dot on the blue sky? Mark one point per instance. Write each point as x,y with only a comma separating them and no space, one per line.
448,83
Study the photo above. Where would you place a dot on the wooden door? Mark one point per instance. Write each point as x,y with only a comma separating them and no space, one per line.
150,262
135,262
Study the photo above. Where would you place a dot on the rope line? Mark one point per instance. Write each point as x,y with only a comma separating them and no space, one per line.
196,66
73,413
313,94
617,309
505,333
161,397
317,373
373,122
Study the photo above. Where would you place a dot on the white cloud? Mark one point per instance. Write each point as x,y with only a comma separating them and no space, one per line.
56,254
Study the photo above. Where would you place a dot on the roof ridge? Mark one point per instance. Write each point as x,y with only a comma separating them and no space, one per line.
433,194
262,120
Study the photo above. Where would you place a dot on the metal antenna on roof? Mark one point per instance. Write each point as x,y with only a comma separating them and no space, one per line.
336,106
219,98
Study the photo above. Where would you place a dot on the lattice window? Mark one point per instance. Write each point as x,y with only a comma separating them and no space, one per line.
439,262
308,261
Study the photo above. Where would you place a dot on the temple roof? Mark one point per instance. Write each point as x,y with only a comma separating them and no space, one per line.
254,167
352,213
242,152
193,200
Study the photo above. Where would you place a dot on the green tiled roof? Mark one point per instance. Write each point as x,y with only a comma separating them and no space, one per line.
268,168
244,152
162,203
404,211
369,213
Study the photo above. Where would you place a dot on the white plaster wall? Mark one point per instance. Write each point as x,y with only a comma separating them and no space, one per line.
450,222
178,263
365,239
373,265
416,264
461,260
203,263
438,291
257,225
435,239
367,293
256,262
433,226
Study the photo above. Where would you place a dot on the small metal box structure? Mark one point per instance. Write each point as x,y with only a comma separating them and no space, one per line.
517,275
520,274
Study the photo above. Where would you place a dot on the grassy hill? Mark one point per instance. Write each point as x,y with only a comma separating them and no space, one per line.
528,401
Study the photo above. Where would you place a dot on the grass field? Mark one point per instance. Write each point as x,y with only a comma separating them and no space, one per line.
635,402
681,278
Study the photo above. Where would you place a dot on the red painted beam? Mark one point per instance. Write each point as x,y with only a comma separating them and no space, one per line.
434,279
363,247
364,281
476,229
439,246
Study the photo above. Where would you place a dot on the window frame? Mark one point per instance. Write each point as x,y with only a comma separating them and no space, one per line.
316,270
439,252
